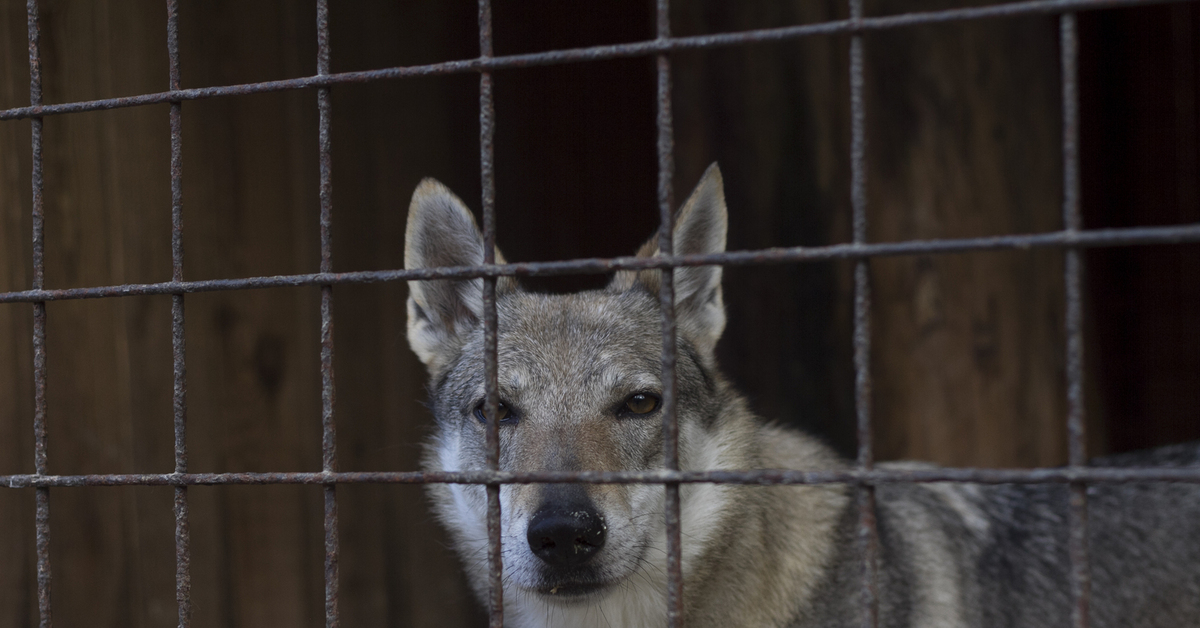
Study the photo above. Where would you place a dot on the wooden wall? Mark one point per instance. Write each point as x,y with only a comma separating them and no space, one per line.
964,141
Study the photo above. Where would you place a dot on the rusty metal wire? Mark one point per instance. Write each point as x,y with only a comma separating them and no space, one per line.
42,512
863,475
594,53
487,176
1090,238
759,477
1073,281
868,530
328,392
183,534
670,419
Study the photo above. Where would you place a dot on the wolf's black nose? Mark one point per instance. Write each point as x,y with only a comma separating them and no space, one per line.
566,536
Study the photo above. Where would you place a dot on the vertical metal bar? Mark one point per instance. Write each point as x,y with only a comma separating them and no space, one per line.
487,120
42,514
868,532
183,552
1076,437
666,206
328,399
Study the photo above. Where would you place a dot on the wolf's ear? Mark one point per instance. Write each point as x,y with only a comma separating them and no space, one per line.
442,312
700,227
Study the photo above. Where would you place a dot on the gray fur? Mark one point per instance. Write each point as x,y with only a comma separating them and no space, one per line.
952,555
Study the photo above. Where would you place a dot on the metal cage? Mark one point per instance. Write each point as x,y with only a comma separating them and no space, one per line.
1070,237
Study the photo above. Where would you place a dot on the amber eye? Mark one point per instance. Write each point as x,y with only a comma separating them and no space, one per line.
506,415
640,403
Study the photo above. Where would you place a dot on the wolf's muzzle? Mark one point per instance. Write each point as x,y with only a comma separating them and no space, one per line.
566,534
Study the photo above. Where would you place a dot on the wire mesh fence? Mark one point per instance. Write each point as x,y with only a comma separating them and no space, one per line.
865,476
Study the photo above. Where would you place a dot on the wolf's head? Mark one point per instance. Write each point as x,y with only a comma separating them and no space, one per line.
580,389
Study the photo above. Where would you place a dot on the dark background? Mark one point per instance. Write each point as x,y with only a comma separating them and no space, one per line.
964,140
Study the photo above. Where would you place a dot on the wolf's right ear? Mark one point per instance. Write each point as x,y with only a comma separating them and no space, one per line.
700,228
442,312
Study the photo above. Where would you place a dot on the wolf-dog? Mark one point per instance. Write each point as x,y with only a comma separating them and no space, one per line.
580,389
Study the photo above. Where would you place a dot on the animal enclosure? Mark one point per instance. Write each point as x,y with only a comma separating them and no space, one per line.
919,261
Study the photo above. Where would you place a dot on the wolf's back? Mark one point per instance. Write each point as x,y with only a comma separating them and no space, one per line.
996,556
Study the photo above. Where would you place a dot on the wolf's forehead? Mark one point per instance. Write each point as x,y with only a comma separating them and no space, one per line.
593,337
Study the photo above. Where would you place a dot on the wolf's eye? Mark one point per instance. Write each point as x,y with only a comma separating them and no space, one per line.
640,403
506,416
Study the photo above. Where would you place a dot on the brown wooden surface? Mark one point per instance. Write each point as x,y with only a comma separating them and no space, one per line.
253,401
1142,168
964,141
966,144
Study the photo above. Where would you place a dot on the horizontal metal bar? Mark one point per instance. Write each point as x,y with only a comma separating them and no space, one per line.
594,53
1176,234
762,477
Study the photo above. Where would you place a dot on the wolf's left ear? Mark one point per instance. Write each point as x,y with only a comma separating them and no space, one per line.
700,228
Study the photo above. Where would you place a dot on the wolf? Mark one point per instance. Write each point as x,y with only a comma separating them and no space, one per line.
580,389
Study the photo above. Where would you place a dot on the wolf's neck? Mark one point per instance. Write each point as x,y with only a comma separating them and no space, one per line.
639,603
746,547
